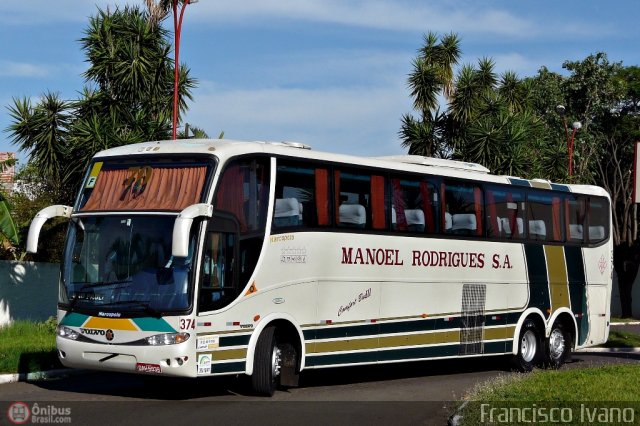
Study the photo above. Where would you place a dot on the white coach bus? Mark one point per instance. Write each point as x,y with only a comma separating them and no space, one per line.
210,257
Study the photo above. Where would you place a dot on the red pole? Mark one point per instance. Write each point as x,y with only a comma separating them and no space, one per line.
177,29
569,142
573,136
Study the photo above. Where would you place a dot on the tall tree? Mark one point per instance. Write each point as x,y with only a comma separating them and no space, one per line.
604,97
432,76
487,120
127,99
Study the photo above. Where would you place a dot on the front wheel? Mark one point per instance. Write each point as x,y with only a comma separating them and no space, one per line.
267,363
557,346
528,347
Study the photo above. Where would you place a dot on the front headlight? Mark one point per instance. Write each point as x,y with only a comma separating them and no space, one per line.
167,339
67,333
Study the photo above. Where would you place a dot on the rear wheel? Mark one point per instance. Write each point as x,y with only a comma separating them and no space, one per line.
267,363
557,346
528,347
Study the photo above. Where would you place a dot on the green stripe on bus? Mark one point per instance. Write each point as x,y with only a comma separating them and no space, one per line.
578,290
153,324
228,367
241,340
399,327
538,281
73,319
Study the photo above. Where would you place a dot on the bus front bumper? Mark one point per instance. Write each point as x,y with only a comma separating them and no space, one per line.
168,360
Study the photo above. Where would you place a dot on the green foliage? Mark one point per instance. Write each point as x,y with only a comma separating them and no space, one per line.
27,346
488,120
621,339
8,228
432,74
127,99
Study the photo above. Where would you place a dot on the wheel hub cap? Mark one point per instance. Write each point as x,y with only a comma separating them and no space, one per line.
556,344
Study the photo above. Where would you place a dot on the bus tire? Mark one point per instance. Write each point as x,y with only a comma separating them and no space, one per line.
557,346
266,363
529,346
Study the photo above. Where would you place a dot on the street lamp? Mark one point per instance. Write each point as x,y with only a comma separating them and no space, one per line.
576,125
177,29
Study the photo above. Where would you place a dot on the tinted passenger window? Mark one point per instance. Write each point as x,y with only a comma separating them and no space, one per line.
360,200
544,219
414,206
505,212
302,196
598,220
463,206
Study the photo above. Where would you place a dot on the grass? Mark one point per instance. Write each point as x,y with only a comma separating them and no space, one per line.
27,346
621,339
605,386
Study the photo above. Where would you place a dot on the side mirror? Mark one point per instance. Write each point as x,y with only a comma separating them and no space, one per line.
41,217
182,227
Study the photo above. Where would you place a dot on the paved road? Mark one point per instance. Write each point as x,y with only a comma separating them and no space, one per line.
423,393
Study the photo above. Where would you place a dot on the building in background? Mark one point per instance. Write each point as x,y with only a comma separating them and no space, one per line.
7,174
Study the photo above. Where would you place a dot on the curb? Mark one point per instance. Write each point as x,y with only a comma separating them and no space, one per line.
611,350
39,375
625,323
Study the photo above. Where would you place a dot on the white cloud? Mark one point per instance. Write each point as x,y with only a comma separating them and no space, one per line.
379,14
22,69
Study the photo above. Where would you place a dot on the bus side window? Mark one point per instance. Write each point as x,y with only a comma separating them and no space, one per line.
504,212
361,200
302,196
544,216
463,202
414,206
598,220
575,211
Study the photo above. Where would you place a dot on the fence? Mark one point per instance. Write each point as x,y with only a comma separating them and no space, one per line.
28,290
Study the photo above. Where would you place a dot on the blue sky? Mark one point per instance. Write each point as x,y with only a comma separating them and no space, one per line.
329,73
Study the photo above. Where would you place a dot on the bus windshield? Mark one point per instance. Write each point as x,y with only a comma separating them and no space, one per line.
124,263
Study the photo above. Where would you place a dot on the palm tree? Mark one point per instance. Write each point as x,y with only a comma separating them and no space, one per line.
127,99
432,75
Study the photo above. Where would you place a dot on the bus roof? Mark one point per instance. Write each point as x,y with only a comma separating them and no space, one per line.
227,148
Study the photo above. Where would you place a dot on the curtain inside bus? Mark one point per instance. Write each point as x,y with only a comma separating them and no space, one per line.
158,188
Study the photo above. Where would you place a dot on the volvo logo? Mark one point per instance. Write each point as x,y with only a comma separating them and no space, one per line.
92,331
109,335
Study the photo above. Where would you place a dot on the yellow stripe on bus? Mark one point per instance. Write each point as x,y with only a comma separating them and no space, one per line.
558,281
111,323
229,354
448,336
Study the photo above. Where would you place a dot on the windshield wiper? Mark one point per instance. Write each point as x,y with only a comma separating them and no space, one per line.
88,285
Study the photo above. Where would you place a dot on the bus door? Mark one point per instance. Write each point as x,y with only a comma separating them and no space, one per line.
219,282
